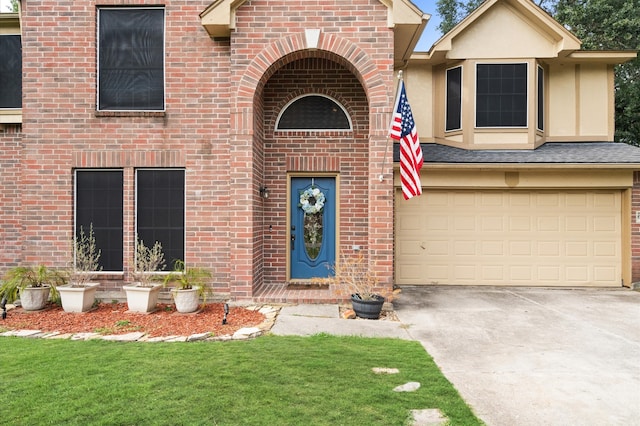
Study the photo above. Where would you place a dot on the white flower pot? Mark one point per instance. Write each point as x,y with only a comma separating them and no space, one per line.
142,299
34,298
186,300
78,299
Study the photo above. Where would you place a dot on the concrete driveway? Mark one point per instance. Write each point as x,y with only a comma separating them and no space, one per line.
533,356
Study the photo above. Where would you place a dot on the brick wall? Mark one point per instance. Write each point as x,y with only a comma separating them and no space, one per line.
62,129
353,63
216,125
10,197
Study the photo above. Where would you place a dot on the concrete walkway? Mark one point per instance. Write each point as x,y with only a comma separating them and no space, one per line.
307,320
518,356
533,356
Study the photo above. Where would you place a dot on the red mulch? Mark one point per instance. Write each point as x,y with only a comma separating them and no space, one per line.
113,318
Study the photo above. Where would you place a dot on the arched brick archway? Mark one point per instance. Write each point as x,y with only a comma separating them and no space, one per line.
293,47
247,168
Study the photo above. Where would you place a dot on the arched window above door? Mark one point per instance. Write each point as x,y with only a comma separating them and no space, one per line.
313,112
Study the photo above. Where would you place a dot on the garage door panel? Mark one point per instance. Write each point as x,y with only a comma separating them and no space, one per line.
520,248
576,249
576,274
605,200
604,273
493,248
548,223
605,249
576,224
465,274
509,238
521,274
548,248
464,248
604,224
492,224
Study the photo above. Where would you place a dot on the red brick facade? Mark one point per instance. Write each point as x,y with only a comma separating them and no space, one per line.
222,99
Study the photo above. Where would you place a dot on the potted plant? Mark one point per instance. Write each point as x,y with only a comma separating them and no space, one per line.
190,286
142,296
79,294
33,285
354,278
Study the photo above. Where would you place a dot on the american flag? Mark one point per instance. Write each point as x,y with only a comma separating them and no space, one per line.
403,129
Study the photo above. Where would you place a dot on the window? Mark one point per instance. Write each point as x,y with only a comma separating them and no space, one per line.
160,211
313,112
454,99
501,95
99,204
540,98
131,59
10,71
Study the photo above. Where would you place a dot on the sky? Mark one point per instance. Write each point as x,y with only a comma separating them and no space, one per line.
431,33
429,36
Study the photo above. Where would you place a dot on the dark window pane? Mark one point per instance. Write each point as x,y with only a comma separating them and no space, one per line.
454,99
131,59
99,204
501,95
160,211
10,71
313,112
540,98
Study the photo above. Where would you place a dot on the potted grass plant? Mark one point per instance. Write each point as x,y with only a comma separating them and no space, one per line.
79,294
142,296
353,277
190,286
34,286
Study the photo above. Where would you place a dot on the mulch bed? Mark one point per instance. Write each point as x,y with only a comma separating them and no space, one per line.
113,318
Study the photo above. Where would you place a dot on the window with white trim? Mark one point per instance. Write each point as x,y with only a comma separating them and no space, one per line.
99,205
10,71
540,100
453,118
313,112
501,95
160,211
131,59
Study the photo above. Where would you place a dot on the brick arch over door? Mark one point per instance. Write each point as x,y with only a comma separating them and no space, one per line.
247,170
293,47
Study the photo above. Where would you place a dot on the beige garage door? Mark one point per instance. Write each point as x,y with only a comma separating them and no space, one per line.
509,238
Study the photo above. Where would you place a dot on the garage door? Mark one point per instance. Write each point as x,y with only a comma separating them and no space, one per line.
509,238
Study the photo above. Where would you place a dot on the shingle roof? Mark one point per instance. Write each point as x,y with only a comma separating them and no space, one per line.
549,153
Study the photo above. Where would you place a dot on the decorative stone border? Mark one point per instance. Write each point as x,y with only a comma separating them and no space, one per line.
270,313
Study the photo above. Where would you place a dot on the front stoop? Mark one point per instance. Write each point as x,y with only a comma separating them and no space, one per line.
296,295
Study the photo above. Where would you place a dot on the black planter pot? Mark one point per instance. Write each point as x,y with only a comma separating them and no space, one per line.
369,309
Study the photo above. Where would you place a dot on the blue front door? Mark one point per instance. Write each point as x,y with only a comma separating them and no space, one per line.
313,226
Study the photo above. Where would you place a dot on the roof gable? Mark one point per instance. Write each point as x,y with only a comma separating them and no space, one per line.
506,28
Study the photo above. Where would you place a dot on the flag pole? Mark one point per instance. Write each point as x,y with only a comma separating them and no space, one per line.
386,151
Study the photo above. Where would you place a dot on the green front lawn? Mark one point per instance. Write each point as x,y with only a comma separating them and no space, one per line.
319,380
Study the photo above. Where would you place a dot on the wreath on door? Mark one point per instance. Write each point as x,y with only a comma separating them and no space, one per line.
312,200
